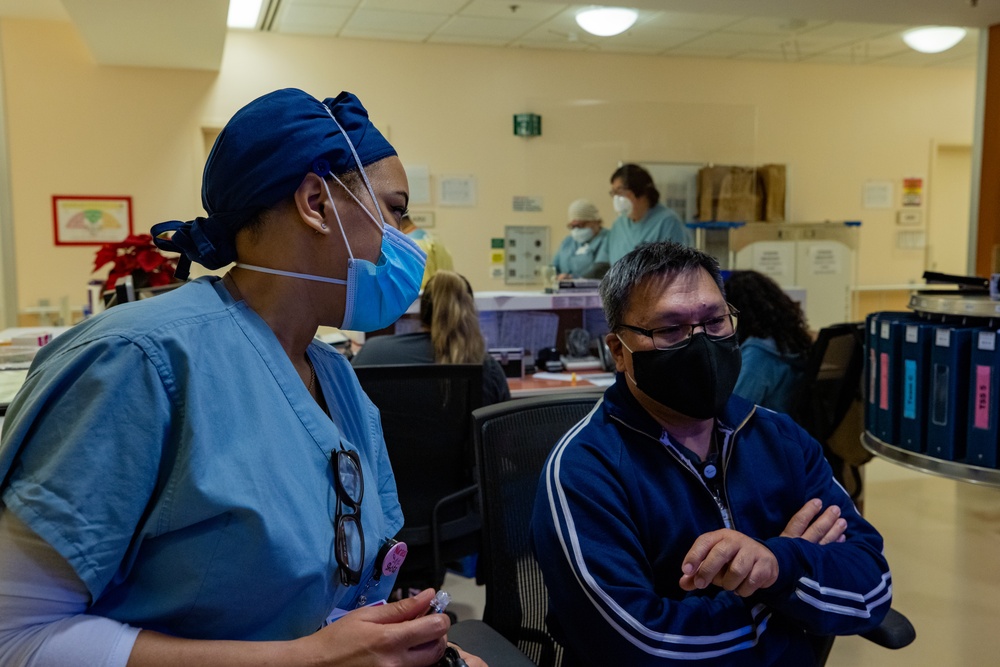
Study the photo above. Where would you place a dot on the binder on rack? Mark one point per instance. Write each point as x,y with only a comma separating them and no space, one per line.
984,388
948,399
915,364
871,371
890,337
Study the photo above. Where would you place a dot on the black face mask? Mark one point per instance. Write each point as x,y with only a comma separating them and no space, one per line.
695,380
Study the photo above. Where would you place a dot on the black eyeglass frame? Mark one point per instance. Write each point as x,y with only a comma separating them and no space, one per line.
732,314
349,576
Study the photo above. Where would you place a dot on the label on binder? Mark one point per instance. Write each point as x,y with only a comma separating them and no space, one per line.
883,368
886,328
942,337
982,407
871,376
912,333
909,389
987,341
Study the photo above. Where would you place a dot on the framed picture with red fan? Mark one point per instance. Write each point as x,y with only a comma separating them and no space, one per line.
91,220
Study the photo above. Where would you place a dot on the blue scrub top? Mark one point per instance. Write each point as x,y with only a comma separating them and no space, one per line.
767,377
170,452
578,258
659,224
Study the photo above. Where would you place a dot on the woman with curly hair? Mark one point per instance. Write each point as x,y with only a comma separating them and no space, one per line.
774,340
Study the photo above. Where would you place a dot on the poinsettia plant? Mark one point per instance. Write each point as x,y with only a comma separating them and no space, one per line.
138,257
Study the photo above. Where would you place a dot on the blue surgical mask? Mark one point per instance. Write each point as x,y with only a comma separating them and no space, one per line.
581,234
377,294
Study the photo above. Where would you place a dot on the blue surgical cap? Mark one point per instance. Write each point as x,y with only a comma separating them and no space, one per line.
261,157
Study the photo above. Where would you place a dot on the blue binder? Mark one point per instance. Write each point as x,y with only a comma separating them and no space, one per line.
871,371
889,405
984,388
948,401
915,365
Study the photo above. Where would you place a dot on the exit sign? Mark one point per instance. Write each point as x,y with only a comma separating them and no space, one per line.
527,125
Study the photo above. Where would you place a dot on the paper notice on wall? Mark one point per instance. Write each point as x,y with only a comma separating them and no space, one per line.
419,177
877,194
776,260
823,260
457,190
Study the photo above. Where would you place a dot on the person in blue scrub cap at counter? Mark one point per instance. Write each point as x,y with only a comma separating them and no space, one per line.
584,252
194,479
642,218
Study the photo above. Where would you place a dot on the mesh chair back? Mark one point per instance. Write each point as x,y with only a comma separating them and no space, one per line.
426,413
832,379
513,439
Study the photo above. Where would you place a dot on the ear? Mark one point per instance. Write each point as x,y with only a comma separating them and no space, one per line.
617,351
312,203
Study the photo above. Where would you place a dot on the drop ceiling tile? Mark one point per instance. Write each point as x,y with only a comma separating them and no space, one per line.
692,51
731,41
419,6
474,27
855,31
305,18
383,35
402,23
758,25
686,21
644,37
563,45
531,11
438,38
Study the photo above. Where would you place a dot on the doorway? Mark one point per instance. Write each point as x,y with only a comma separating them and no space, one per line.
948,209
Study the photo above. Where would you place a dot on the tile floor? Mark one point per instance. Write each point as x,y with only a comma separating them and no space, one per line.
942,539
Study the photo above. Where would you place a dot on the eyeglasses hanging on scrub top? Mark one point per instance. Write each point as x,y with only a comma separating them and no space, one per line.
349,483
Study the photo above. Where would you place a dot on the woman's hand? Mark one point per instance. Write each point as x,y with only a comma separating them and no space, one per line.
400,634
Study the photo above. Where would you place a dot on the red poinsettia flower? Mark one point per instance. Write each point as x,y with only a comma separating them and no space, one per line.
139,257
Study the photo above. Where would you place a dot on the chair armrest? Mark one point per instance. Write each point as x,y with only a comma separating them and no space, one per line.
483,641
895,631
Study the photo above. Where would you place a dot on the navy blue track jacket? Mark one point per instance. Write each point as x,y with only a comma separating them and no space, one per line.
619,506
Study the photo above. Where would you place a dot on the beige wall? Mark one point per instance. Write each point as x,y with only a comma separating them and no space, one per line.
81,129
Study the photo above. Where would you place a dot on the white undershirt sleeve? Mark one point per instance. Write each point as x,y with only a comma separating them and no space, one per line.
43,603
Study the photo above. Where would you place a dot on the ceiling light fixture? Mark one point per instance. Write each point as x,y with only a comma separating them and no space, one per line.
606,21
243,13
933,39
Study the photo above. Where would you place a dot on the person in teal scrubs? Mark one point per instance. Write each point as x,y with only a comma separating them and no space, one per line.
194,479
584,251
641,216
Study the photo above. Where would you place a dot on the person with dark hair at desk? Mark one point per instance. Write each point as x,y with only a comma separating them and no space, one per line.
642,217
194,479
680,524
449,335
774,340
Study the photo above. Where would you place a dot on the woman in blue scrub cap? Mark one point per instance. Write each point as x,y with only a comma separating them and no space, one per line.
196,480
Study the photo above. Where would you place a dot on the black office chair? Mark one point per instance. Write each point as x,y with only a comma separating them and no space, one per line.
426,413
513,439
830,406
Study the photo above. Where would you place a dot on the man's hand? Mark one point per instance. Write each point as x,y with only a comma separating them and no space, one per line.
730,560
826,528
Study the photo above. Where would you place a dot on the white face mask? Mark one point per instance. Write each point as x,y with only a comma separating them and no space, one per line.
581,234
623,205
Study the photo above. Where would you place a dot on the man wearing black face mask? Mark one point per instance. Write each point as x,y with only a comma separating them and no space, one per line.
679,522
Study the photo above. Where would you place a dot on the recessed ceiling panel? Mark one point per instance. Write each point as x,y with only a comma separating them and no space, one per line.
530,11
400,23
483,28
309,18
422,6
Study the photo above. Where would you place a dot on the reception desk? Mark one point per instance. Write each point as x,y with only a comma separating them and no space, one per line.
542,384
